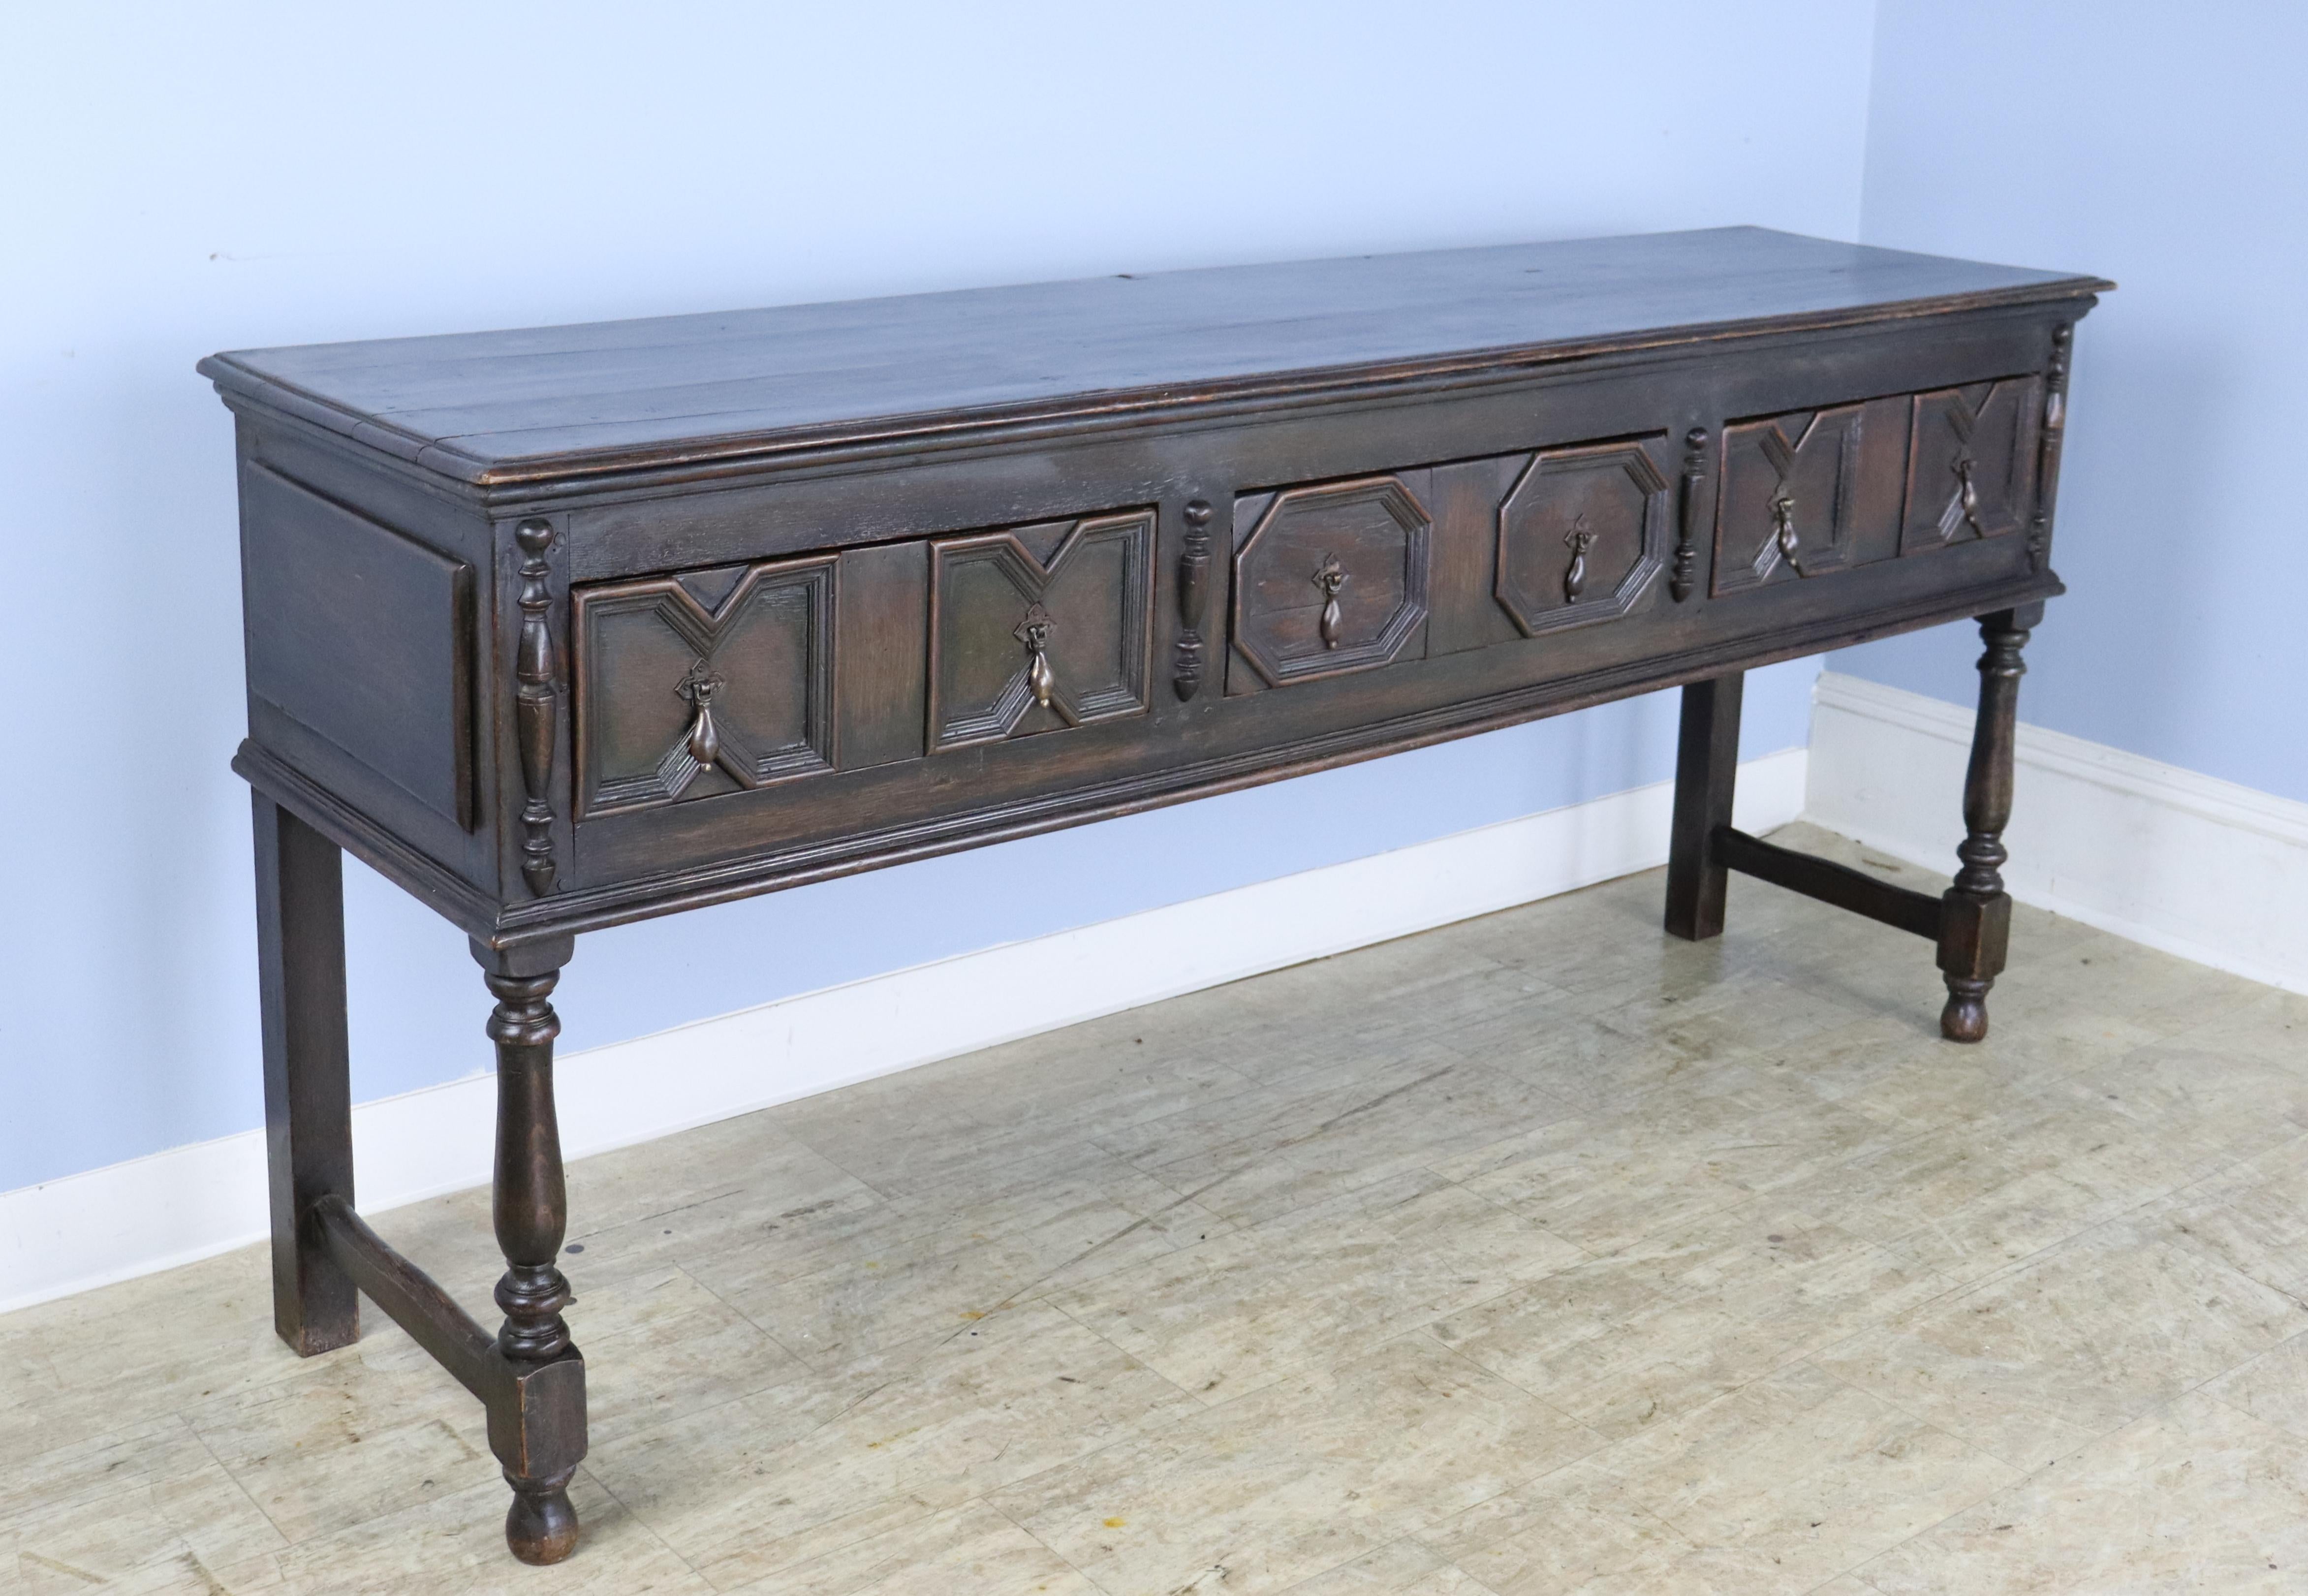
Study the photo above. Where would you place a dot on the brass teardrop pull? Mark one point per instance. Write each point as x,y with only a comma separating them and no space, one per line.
1783,520
1034,633
1968,492
1331,576
698,687
1578,541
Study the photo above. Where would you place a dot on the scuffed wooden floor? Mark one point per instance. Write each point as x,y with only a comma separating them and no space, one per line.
1536,1255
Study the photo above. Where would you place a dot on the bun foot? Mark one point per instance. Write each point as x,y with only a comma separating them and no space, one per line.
542,1526
1965,1018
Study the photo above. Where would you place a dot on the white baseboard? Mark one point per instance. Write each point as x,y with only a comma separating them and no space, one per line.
90,1229
2183,862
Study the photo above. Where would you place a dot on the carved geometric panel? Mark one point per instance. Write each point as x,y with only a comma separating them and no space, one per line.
1330,578
1582,536
702,684
1786,501
1971,462
1039,628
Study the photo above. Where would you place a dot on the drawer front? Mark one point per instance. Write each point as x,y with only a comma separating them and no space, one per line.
1329,578
1809,493
1582,535
1040,628
1971,462
705,683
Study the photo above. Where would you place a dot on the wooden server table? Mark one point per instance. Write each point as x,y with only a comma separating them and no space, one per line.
567,627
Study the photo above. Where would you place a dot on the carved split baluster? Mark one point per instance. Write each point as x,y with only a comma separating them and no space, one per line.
534,669
1686,544
540,1435
1193,600
1976,913
2048,459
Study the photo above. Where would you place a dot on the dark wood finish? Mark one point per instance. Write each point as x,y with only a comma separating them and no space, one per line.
567,627
1040,628
1692,515
300,963
1810,494
1582,535
1329,578
538,673
702,682
411,1297
402,703
883,688
1971,462
2048,439
1917,913
542,1442
1194,601
549,405
1976,918
1706,776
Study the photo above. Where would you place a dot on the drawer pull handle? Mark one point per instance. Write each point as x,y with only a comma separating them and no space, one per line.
1331,576
1968,492
1577,541
1034,632
1783,519
704,741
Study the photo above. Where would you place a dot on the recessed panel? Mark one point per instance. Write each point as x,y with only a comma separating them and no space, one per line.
1329,578
1582,536
679,700
1040,628
1788,499
1971,462
362,636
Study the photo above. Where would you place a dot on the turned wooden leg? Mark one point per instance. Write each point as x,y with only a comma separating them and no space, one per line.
1976,913
308,1139
537,1430
1706,771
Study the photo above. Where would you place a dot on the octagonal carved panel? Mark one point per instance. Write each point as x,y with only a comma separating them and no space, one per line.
1581,536
1332,578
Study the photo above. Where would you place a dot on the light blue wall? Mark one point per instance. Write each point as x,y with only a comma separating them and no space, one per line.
2164,147
185,179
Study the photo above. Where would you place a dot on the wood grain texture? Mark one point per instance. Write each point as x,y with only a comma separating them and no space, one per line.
782,595
300,961
1976,914
1706,779
398,698
556,401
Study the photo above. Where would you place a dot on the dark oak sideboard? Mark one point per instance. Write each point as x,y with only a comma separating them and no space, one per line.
569,626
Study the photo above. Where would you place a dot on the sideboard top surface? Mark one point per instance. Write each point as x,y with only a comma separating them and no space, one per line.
552,403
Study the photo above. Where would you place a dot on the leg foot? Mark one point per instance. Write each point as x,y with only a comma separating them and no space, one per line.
1965,1017
542,1526
537,1418
1975,913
